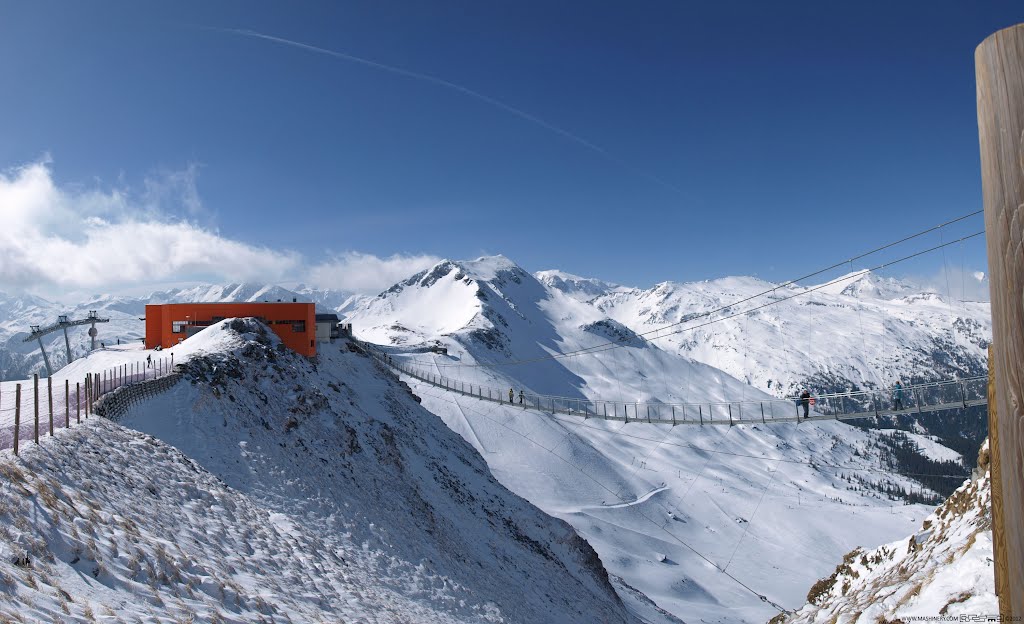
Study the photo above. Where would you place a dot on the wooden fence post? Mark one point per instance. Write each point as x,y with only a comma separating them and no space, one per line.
49,400
78,404
999,68
17,416
67,403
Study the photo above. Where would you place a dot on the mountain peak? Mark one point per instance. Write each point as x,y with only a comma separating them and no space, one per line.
861,284
483,269
574,285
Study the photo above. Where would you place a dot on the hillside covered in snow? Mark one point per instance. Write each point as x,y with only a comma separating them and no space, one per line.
860,332
943,569
693,517
265,487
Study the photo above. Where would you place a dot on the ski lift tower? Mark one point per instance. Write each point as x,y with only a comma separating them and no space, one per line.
63,323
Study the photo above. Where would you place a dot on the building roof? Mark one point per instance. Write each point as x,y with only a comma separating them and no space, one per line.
220,303
326,318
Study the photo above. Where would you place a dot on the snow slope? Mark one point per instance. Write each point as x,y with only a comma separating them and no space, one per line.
667,509
267,486
863,333
944,569
860,333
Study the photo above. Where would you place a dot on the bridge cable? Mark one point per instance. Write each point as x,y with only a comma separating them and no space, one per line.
860,321
750,522
949,291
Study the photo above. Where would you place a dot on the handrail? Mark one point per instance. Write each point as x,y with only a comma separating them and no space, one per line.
921,398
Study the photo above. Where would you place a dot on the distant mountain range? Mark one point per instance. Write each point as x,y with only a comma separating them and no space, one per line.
859,332
19,360
639,493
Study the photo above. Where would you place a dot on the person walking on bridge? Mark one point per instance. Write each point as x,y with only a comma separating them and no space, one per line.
897,396
805,400
520,397
510,395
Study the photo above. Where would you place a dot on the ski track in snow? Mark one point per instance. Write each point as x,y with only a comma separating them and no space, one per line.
638,500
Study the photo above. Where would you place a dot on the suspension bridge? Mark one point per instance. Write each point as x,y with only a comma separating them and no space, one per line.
930,397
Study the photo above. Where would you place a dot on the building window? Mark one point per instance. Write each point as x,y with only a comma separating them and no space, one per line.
178,327
299,327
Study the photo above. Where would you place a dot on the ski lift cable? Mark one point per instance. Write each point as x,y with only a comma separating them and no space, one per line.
621,343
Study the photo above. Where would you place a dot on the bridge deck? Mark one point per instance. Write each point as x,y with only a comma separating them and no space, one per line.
917,399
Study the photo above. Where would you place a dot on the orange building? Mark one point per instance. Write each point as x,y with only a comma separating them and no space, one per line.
170,323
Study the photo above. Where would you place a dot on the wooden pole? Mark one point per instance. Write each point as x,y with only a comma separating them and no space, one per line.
49,400
995,476
17,416
78,402
999,67
67,403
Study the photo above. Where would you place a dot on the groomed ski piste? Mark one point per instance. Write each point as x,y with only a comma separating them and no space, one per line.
264,487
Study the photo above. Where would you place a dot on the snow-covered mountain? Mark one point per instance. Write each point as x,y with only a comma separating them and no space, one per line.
265,487
668,510
945,568
860,333
651,498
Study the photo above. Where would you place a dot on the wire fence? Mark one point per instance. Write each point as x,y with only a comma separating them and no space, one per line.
38,407
914,399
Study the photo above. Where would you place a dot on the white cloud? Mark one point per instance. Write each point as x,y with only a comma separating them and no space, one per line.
960,284
60,239
170,189
359,272
55,239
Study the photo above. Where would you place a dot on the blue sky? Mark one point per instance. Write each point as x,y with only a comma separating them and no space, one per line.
635,142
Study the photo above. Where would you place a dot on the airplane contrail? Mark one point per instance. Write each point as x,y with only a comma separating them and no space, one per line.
463,90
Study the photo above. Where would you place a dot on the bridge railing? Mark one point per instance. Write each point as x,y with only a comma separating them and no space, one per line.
918,398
